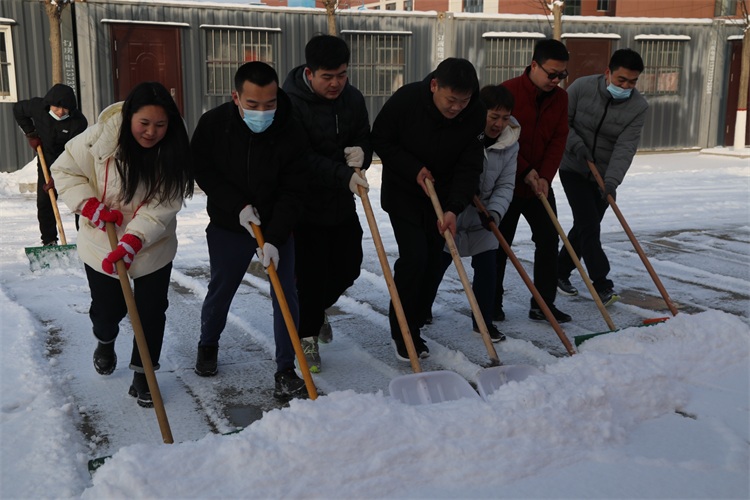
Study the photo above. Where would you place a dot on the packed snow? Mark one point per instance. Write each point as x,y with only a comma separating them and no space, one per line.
644,412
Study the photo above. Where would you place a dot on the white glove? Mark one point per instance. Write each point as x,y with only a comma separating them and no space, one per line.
355,157
247,215
358,180
269,253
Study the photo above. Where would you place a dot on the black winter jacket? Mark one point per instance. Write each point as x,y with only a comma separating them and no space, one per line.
410,133
331,126
32,115
236,167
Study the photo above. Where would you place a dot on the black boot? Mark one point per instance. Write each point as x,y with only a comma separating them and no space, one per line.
105,358
205,365
139,389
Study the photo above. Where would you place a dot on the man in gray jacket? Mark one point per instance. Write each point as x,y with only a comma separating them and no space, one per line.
606,114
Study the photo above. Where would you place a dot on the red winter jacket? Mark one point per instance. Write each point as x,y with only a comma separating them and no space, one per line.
544,130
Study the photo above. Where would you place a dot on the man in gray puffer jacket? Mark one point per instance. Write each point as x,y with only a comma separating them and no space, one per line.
606,115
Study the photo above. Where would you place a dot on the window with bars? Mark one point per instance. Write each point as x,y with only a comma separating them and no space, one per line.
473,5
572,8
506,58
7,68
378,62
663,67
229,48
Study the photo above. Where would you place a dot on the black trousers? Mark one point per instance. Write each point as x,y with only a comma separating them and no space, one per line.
328,261
44,212
108,308
588,209
545,238
417,271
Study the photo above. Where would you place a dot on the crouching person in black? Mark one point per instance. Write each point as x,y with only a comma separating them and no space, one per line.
249,158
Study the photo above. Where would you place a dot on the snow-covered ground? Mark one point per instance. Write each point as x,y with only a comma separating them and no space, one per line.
645,412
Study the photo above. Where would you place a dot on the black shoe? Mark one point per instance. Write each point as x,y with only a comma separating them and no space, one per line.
289,385
428,319
495,334
565,288
52,243
139,389
205,365
608,297
400,348
422,350
536,314
498,314
105,358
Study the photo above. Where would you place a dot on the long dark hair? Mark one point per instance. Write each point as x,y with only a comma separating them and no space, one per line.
164,170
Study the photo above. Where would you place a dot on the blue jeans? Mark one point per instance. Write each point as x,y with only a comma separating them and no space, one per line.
230,255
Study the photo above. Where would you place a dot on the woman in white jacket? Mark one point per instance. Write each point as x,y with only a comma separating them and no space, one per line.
133,169
473,234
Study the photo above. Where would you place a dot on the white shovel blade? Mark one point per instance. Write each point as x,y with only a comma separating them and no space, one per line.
490,379
430,387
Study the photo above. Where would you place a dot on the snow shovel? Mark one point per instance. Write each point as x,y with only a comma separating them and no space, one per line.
140,340
491,379
577,262
60,255
288,320
494,359
526,279
634,241
420,387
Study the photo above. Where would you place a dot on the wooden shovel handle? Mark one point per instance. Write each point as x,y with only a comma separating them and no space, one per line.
577,262
52,196
634,241
494,359
140,340
288,320
392,290
526,279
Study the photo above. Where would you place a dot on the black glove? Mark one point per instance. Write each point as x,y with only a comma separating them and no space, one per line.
494,217
583,154
609,188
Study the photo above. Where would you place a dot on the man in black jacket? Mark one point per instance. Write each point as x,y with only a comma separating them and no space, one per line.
49,122
427,130
248,157
334,116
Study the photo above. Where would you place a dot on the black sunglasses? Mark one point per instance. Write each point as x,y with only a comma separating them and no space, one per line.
562,75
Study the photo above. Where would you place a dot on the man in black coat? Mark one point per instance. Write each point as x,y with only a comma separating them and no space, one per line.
427,130
249,158
49,122
334,117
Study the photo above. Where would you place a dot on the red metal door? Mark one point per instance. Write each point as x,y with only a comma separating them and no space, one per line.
588,56
146,53
733,94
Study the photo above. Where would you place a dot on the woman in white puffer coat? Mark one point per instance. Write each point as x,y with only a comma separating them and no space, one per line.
473,234
132,169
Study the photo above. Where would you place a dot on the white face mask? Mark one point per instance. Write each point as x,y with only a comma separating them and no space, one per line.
58,118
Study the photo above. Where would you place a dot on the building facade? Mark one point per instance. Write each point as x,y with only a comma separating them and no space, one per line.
194,48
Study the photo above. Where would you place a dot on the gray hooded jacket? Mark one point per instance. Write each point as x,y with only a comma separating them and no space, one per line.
604,129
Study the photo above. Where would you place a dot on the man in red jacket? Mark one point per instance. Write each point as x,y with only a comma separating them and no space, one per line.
542,111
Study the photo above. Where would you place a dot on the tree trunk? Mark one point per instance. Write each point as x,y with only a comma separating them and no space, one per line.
331,15
740,125
55,40
557,20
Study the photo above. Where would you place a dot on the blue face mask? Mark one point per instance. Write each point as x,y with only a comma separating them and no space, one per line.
618,93
258,121
58,118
